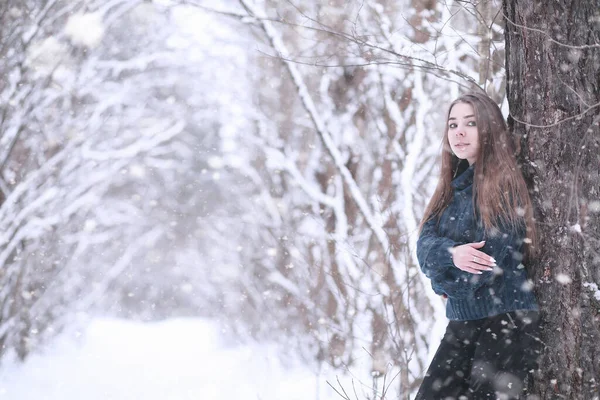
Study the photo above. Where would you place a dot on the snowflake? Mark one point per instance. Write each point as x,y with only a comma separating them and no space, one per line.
85,29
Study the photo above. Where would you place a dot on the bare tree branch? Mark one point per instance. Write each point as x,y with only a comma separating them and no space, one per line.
412,61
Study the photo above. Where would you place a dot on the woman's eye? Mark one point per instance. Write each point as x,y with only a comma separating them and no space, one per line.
452,125
472,123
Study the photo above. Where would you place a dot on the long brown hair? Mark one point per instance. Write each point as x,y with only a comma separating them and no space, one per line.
500,194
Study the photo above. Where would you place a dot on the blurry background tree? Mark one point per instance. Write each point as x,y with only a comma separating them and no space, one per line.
109,130
265,164
347,133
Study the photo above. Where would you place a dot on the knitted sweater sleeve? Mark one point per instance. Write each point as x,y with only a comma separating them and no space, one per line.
504,245
433,253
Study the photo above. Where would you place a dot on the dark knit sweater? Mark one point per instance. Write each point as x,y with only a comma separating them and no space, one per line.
473,296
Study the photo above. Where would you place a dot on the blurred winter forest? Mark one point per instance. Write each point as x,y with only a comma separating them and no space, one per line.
264,163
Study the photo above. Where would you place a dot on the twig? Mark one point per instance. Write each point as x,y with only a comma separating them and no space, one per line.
550,38
344,396
251,18
559,121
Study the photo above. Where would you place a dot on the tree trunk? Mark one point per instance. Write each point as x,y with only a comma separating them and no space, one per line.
553,76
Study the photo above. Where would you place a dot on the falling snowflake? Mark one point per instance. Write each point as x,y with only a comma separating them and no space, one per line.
85,29
563,279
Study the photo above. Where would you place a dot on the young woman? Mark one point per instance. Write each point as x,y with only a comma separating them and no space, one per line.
477,237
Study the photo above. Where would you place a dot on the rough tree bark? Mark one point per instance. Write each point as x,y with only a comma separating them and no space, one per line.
553,87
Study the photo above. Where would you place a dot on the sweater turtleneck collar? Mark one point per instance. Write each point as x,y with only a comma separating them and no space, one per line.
465,179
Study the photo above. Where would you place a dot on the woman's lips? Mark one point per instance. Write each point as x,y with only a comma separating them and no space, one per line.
461,145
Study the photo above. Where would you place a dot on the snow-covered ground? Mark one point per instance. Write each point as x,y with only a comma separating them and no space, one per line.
177,359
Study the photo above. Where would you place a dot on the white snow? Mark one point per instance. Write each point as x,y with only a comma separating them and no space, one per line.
563,279
575,228
594,288
594,206
46,54
85,29
176,359
215,162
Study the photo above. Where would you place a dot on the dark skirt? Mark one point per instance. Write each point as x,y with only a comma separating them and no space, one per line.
488,358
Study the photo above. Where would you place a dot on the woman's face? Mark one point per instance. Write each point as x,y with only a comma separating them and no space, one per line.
462,132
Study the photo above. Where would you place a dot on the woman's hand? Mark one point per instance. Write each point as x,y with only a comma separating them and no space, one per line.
467,258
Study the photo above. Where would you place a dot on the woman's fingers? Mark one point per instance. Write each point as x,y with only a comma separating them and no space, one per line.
479,267
475,267
479,257
478,262
467,258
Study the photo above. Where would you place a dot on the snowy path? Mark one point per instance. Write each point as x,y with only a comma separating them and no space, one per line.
172,360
